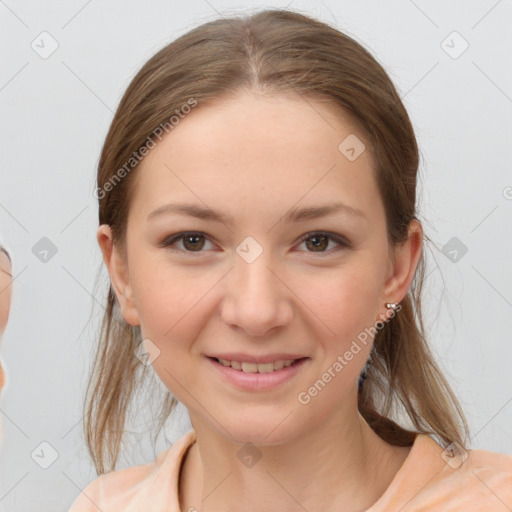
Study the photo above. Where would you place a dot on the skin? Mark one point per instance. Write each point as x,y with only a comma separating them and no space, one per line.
255,157
5,300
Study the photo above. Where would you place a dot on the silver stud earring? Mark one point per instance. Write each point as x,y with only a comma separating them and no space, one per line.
392,305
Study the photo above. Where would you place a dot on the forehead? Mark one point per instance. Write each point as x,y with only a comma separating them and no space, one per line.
260,152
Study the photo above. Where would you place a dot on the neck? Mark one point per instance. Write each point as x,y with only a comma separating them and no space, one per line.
337,465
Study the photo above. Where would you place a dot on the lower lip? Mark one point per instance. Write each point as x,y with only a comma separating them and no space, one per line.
258,381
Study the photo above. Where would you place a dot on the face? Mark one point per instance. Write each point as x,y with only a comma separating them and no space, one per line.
5,300
261,284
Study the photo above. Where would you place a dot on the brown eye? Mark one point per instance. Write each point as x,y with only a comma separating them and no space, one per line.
318,242
191,242
194,242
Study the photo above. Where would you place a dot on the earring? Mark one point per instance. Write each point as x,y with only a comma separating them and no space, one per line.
392,305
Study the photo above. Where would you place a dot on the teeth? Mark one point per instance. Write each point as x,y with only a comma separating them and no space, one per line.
255,367
249,367
278,365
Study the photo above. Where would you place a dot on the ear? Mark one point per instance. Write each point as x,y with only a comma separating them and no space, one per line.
401,270
117,265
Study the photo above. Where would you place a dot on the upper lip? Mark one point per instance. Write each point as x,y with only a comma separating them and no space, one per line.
266,358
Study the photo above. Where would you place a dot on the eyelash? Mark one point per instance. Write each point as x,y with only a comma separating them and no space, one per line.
343,243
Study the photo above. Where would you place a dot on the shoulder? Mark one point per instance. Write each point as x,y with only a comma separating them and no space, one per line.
434,479
136,487
484,478
473,480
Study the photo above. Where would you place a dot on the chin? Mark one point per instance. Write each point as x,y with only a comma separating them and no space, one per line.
262,429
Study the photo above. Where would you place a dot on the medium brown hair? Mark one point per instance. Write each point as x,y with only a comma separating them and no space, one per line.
275,51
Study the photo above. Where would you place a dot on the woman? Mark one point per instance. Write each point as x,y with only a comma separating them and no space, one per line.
257,210
5,299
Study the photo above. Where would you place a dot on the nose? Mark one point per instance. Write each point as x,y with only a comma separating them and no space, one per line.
257,299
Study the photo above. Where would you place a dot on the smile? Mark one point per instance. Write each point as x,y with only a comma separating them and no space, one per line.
257,376
249,367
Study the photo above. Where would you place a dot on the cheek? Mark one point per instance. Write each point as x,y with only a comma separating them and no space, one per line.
341,301
164,307
169,306
345,299
170,301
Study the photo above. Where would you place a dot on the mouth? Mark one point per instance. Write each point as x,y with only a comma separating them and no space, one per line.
252,367
262,374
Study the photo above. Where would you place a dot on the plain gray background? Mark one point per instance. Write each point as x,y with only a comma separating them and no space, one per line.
56,111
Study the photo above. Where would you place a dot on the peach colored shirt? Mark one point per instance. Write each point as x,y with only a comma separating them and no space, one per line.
425,482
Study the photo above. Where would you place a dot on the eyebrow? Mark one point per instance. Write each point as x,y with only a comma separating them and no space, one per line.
294,215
